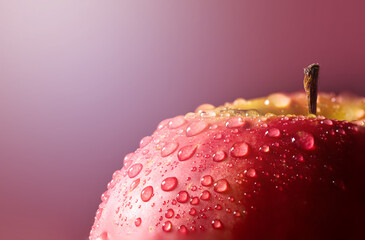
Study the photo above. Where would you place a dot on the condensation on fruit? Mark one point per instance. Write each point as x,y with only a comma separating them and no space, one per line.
196,128
134,170
167,226
145,141
169,213
219,156
273,132
186,152
182,197
217,224
177,122
169,184
239,149
304,140
206,180
194,201
138,222
221,186
235,122
169,148
147,193
205,195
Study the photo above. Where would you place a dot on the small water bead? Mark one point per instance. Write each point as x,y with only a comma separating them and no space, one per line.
205,195
218,207
169,184
206,181
218,136
193,188
217,224
196,128
138,222
169,213
134,170
128,160
147,193
145,141
239,149
177,122
251,172
103,236
327,122
194,201
135,184
273,132
221,186
192,212
183,229
105,196
186,152
167,226
235,122
305,140
264,148
169,148
219,156
298,157
182,197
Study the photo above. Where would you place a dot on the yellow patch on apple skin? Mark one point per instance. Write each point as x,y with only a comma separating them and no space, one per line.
339,107
279,100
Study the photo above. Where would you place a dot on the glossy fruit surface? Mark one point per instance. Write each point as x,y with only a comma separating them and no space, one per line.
246,170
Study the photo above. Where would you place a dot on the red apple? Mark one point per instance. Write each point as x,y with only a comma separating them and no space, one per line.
232,173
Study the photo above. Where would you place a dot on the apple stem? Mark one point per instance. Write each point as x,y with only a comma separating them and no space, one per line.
311,86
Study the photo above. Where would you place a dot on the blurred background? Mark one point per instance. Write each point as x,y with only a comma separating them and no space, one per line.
81,82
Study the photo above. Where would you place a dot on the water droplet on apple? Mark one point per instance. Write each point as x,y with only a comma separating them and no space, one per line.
182,197
328,122
218,136
305,140
221,186
169,149
169,184
251,172
194,201
134,170
239,149
103,236
192,211
145,141
206,181
147,193
217,224
196,128
219,156
265,148
177,122
128,160
183,229
235,122
218,207
169,213
167,226
134,184
205,195
138,222
273,132
186,152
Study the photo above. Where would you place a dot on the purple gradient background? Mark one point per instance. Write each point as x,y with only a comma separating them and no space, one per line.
81,82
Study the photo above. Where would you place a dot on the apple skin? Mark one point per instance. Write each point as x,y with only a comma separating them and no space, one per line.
280,178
